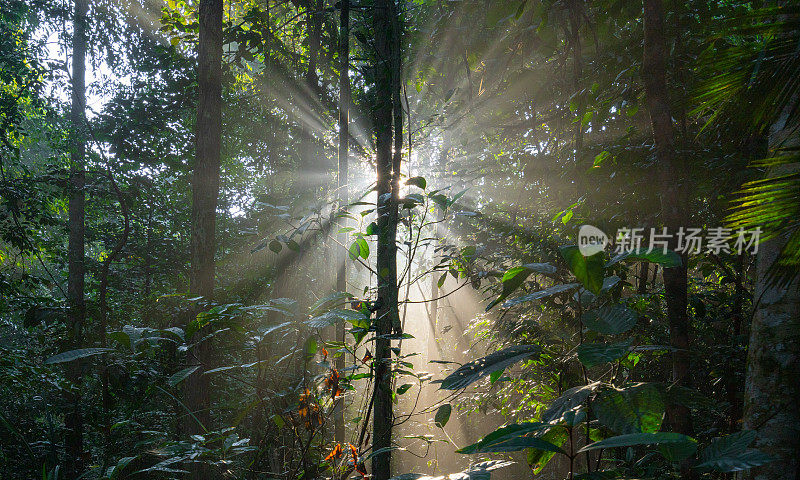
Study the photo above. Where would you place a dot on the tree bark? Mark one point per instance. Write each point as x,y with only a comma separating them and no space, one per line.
205,193
772,380
387,315
74,462
343,189
673,201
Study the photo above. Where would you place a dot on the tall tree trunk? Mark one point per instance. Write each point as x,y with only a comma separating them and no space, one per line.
343,189
387,315
205,193
673,200
73,420
772,380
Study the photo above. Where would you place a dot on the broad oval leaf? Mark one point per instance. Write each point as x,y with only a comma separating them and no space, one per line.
477,369
730,453
443,415
591,354
610,319
417,182
570,399
588,270
634,409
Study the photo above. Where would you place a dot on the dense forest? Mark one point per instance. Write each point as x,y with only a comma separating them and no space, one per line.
399,239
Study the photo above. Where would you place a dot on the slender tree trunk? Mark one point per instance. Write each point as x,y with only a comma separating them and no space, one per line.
575,14
732,383
387,315
343,189
205,193
673,200
74,463
641,283
310,161
103,310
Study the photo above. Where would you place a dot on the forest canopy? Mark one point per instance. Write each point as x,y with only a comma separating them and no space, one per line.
399,239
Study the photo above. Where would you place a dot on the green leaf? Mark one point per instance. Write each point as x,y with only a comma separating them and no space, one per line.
354,251
730,453
538,459
182,375
634,409
601,157
732,444
636,439
311,347
735,463
335,316
591,354
587,117
666,260
610,319
115,471
502,435
417,182
588,270
76,354
477,369
519,443
514,278
495,376
547,292
275,246
677,452
404,388
442,415
363,247
570,399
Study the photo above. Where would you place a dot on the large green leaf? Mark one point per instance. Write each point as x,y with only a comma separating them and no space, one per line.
636,439
570,399
336,316
732,444
538,295
667,260
730,453
509,438
591,354
514,277
478,471
443,415
735,463
610,319
76,354
475,370
588,270
634,409
538,459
